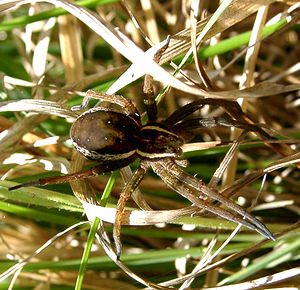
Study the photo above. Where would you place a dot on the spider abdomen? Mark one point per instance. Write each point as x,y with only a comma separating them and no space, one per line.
105,135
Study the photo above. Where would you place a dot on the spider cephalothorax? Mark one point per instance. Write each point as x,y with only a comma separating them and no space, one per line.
114,137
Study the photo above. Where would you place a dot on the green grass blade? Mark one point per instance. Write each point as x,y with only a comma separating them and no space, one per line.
93,231
282,254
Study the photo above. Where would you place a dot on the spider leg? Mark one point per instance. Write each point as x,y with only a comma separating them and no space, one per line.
124,103
100,168
148,90
195,191
127,191
196,123
59,179
232,108
192,107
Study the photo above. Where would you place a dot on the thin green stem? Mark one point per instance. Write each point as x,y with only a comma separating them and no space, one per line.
93,231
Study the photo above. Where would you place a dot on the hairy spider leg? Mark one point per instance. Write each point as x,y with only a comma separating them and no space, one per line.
210,122
234,110
100,168
200,186
197,198
231,107
127,105
173,173
132,184
188,109
149,99
127,191
148,90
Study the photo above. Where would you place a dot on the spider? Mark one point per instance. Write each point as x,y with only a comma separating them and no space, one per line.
115,137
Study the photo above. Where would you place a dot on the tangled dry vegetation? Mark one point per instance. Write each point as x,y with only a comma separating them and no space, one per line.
241,51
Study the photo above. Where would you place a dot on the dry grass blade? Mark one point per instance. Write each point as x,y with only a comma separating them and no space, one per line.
262,282
22,263
38,106
122,44
260,90
236,12
281,163
137,217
